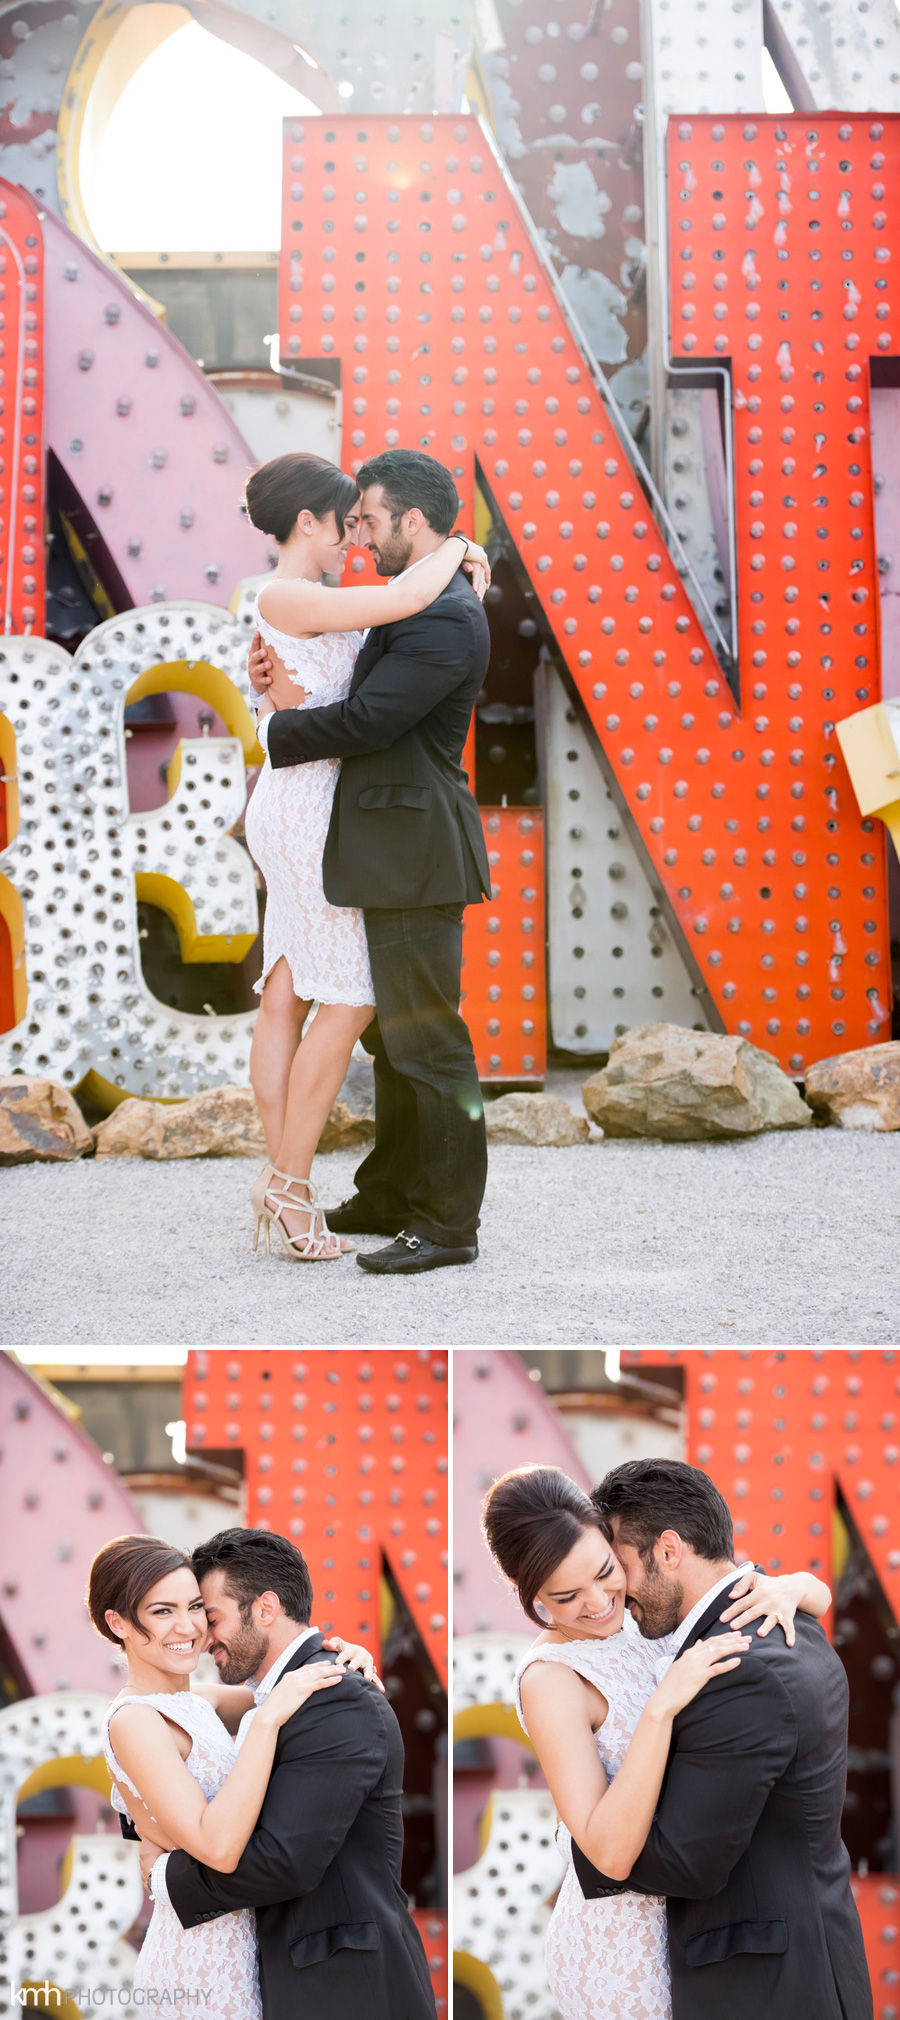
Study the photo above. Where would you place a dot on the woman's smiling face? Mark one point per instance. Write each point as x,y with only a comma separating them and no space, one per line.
585,1594
173,1630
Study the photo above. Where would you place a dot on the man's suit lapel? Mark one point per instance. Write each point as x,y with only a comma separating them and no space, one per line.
367,655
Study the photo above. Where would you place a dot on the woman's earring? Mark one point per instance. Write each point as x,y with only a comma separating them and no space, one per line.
542,1614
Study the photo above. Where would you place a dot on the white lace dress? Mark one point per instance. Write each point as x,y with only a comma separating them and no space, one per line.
607,1960
287,822
219,1959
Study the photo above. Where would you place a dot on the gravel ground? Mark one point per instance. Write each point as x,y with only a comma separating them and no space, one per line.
780,1240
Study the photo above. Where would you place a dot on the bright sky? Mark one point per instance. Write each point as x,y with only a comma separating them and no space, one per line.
191,158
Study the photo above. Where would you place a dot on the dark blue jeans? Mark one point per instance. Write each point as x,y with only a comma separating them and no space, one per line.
426,1172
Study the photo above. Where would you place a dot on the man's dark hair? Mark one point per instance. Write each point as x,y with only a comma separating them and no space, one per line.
646,1496
254,1562
409,480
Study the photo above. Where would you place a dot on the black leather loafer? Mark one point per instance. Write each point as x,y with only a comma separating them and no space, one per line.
410,1254
354,1217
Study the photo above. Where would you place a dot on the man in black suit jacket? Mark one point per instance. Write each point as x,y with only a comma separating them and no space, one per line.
322,1867
746,1842
406,843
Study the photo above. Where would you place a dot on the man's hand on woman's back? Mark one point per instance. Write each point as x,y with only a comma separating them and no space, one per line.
259,664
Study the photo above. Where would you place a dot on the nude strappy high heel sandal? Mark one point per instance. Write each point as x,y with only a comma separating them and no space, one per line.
308,1247
260,1187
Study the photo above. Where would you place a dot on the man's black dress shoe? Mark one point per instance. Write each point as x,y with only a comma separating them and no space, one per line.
354,1217
410,1254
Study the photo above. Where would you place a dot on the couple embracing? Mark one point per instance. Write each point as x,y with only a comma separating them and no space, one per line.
699,1770
268,1803
371,845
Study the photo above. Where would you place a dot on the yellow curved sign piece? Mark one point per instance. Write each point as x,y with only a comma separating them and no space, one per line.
198,677
478,1979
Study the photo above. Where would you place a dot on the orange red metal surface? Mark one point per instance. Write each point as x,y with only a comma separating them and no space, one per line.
406,256
21,413
409,386
777,1430
782,233
7,999
346,1454
433,1929
21,504
504,997
877,1896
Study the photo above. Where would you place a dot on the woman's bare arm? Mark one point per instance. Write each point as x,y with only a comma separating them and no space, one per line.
215,1832
306,609
611,1820
559,1709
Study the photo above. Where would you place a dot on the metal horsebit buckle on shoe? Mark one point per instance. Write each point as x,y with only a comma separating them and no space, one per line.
411,1240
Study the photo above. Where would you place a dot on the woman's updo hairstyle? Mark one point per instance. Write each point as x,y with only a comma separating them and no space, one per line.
297,482
122,1574
531,1519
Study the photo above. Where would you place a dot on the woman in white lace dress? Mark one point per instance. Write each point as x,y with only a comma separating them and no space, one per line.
144,1597
597,1702
313,952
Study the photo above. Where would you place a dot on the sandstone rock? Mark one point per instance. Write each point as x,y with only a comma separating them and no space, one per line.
220,1122
224,1122
665,1081
858,1090
541,1119
131,1130
39,1122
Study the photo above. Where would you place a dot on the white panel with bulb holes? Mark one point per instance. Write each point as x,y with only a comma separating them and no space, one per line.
77,848
704,58
613,958
484,1667
62,1946
500,1905
847,56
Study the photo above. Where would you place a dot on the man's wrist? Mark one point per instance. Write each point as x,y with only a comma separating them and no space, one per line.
156,1883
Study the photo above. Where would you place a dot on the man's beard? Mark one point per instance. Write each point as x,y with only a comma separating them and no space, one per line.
393,555
660,1604
245,1656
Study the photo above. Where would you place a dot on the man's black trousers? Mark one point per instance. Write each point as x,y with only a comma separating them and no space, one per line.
426,1172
